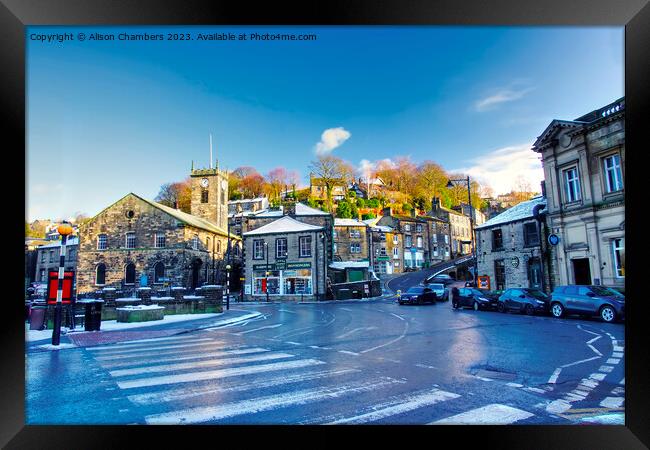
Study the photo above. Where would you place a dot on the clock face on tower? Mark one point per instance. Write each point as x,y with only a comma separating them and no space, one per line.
204,182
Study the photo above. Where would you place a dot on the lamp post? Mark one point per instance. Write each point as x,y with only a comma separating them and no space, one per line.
450,184
64,230
228,286
266,272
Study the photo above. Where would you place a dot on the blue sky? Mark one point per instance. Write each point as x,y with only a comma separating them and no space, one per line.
105,118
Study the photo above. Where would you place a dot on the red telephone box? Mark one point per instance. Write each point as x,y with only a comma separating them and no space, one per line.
53,286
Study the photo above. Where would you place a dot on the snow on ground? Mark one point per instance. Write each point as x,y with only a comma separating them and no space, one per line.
112,325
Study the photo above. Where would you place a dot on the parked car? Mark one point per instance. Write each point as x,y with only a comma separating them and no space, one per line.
37,290
475,298
442,294
525,300
417,295
588,300
440,278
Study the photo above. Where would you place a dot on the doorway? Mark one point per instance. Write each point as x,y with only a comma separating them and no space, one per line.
196,271
534,274
581,271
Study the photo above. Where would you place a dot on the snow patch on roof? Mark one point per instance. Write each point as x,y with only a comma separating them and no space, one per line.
349,264
304,210
349,223
284,225
521,211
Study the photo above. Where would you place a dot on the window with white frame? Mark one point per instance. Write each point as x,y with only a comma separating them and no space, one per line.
572,184
408,241
407,227
355,247
102,242
395,253
613,174
130,240
281,248
305,246
159,241
195,242
258,249
435,250
382,251
355,233
618,246
395,239
446,239
419,241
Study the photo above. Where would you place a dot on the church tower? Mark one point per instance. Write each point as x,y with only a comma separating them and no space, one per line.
210,195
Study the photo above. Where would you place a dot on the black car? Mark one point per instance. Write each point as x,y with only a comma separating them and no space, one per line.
525,300
607,303
474,298
417,295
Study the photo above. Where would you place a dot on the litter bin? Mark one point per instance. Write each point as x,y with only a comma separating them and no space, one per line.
37,318
93,315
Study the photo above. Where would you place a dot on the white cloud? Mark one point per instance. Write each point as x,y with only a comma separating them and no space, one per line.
500,168
501,96
330,139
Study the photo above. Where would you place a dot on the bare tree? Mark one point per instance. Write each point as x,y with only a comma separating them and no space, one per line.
331,171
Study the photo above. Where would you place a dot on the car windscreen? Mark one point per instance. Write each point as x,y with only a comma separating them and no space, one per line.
536,294
415,290
437,286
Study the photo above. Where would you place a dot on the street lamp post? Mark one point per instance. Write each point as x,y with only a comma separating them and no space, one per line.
64,230
228,286
450,184
266,272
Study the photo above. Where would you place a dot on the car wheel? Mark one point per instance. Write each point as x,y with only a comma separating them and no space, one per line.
475,306
607,313
501,307
529,310
557,310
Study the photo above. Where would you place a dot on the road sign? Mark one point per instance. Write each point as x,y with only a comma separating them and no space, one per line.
53,286
553,239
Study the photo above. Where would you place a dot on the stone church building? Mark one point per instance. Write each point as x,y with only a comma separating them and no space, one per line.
137,242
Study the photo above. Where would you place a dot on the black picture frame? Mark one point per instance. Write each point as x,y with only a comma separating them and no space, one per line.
15,15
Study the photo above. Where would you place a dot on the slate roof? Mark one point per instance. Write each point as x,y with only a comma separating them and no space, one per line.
520,211
284,225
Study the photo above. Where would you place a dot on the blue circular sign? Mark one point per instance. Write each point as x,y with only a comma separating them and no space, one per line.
553,239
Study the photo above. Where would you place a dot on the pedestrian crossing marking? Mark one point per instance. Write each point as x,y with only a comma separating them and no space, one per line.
185,393
405,405
495,414
215,374
256,405
150,349
120,346
146,353
154,359
198,364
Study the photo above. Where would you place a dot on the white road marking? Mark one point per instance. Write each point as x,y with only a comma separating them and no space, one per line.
618,390
495,414
140,361
183,337
558,406
185,393
555,375
587,331
589,384
216,374
399,317
485,379
594,349
293,343
115,348
579,362
606,369
355,330
348,353
256,405
258,329
619,349
617,355
532,389
613,361
397,407
622,381
198,364
424,366
148,350
391,342
190,349
593,340
287,311
515,385
597,376
346,309
612,402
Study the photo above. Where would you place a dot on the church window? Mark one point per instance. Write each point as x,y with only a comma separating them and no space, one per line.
159,240
100,275
159,272
129,274
102,242
130,240
204,196
195,242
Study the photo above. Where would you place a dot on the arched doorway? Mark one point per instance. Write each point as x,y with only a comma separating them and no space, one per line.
196,273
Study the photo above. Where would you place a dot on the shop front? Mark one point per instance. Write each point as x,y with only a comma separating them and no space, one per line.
290,278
